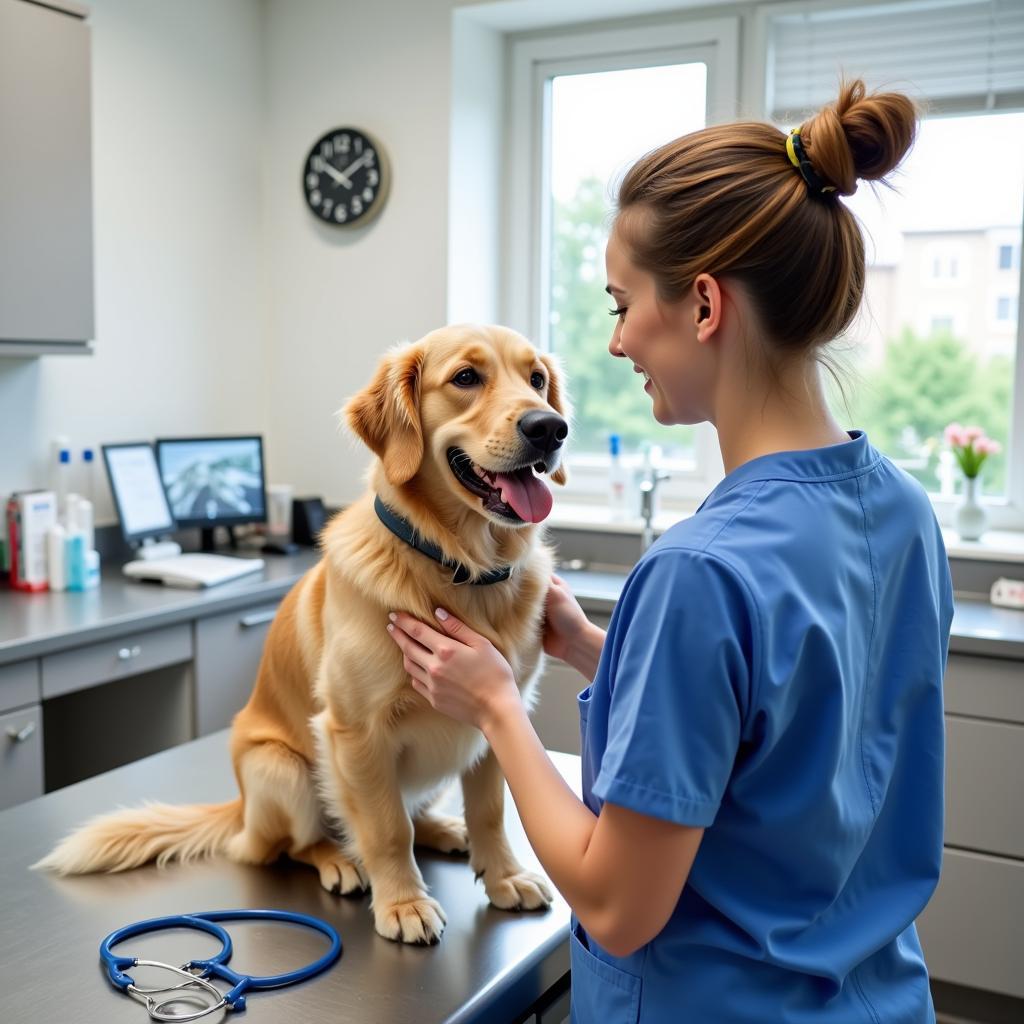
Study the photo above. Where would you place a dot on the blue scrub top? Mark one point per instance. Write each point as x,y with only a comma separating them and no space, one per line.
773,673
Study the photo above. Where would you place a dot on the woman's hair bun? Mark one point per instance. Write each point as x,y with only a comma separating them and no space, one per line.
860,136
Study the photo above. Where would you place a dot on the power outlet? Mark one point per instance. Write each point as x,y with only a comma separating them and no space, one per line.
1008,593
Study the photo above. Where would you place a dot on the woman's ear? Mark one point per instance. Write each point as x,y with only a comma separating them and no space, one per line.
707,300
386,414
558,399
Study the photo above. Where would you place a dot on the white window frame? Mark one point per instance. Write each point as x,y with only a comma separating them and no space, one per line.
533,62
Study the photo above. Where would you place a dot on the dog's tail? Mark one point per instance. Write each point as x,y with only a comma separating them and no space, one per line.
134,836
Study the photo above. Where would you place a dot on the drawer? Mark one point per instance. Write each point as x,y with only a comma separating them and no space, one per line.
985,687
21,763
971,929
19,684
115,659
984,769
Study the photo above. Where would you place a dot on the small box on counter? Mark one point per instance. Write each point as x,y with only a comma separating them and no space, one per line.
29,516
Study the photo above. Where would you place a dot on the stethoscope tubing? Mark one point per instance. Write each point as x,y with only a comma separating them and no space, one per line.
216,965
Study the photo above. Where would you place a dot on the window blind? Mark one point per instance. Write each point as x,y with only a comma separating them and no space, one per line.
958,56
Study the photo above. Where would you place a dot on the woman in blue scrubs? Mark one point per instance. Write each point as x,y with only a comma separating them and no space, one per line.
763,740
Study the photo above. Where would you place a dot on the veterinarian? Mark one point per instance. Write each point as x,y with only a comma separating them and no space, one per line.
762,742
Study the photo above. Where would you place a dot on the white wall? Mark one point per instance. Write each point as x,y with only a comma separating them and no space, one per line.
340,297
180,315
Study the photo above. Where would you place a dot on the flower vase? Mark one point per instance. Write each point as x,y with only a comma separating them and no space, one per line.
971,517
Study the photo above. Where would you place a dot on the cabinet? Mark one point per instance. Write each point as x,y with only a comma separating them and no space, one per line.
556,716
46,248
21,734
970,928
228,651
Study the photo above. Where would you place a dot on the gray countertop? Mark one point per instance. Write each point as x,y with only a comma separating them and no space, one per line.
978,626
489,965
36,624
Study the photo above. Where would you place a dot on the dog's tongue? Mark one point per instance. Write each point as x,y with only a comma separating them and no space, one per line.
529,497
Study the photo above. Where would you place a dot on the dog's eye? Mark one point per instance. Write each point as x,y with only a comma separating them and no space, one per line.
466,378
537,380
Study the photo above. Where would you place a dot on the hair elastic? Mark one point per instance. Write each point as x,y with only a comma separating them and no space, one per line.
798,158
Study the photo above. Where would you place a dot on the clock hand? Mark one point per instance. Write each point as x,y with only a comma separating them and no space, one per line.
340,176
358,162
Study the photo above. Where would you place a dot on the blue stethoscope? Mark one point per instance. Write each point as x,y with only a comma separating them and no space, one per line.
215,966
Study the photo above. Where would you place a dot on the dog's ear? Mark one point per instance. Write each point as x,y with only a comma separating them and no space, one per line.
386,414
558,399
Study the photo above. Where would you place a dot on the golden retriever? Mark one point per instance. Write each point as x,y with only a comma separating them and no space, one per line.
338,760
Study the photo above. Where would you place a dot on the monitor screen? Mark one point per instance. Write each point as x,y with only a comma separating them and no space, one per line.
138,494
213,481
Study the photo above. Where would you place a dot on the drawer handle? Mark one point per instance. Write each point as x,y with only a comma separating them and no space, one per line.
127,653
22,734
257,618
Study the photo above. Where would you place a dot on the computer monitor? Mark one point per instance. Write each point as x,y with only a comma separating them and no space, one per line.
138,492
213,481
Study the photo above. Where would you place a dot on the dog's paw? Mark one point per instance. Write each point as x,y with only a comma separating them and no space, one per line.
442,832
343,877
420,921
520,890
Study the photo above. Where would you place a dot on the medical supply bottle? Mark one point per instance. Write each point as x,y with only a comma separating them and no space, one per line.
56,557
618,481
62,476
88,481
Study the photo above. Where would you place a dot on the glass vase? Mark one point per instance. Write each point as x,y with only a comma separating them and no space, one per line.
971,518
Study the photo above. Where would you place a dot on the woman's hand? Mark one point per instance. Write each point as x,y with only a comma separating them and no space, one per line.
460,672
564,620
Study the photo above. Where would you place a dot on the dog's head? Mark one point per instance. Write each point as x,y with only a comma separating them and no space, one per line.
479,408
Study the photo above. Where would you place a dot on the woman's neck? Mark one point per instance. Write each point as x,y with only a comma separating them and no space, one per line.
789,413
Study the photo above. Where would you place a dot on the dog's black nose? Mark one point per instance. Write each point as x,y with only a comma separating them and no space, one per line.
544,430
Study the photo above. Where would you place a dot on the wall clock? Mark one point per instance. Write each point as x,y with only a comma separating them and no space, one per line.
346,177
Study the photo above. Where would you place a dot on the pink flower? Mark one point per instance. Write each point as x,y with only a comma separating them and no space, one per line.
972,434
954,434
986,446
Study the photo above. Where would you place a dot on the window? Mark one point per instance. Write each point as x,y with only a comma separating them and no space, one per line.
599,123
1006,309
589,106
937,339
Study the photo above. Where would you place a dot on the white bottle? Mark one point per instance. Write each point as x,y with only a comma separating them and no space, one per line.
618,482
55,557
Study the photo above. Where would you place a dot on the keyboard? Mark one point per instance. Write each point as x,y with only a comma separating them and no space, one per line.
193,569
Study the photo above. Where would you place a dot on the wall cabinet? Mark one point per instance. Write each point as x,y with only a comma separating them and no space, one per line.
46,237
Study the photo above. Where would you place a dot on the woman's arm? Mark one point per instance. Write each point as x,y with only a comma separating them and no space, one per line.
621,872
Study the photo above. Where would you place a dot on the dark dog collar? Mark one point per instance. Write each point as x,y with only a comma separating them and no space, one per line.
404,530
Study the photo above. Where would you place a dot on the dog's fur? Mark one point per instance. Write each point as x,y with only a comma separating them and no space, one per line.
333,729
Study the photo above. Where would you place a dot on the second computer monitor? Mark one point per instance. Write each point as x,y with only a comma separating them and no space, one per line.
213,481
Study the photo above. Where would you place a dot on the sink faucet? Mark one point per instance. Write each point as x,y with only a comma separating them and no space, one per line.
648,487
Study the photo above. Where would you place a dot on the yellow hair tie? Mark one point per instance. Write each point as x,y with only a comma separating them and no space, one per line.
798,158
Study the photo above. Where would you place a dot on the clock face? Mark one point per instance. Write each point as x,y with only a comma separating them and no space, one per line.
345,177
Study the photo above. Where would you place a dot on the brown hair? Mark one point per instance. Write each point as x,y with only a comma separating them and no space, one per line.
726,200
